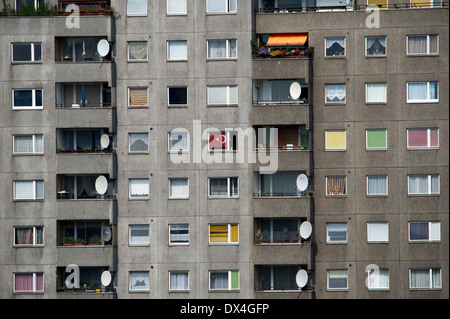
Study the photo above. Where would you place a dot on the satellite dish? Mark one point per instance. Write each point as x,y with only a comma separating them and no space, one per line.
101,185
104,141
302,182
295,90
106,278
103,48
106,234
305,230
301,278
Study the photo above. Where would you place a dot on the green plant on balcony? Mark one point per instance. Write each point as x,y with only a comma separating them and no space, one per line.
44,9
259,236
95,240
68,240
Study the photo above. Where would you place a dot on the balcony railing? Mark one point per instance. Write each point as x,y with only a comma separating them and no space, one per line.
280,237
281,195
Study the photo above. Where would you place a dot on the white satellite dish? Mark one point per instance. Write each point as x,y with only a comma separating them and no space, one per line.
301,278
305,230
106,278
302,182
103,48
101,185
295,90
106,234
104,141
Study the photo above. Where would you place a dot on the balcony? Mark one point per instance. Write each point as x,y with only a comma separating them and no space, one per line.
278,278
84,233
83,95
282,184
277,92
279,231
83,187
282,138
90,284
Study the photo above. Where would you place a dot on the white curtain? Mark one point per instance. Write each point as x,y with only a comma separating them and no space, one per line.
377,231
376,92
179,281
378,279
179,188
377,185
176,6
139,188
139,280
177,50
138,142
219,280
417,91
223,94
371,41
335,92
418,184
137,7
179,233
23,190
337,232
217,49
139,235
23,144
417,44
222,5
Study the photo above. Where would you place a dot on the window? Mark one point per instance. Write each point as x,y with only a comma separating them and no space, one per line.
422,92
335,93
426,3
425,278
377,232
222,49
28,144
221,6
139,188
137,7
337,279
28,3
336,185
378,279
138,142
224,234
376,46
377,185
335,140
376,139
28,190
280,184
276,277
137,51
178,141
222,95
139,281
27,99
424,231
422,44
423,184
423,138
28,282
222,141
139,235
178,95
178,281
376,93
223,187
177,50
334,47
178,188
179,234
28,236
336,232
278,231
137,97
379,3
176,7
27,52
223,280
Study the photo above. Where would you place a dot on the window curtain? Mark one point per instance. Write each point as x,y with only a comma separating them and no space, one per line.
24,236
371,44
23,190
335,93
179,233
138,97
335,46
139,188
179,281
285,230
178,141
218,186
336,185
139,235
177,50
417,91
418,231
284,278
137,7
337,279
219,280
139,281
417,44
418,184
23,144
337,232
377,185
179,187
376,92
86,186
176,6
280,90
284,183
418,138
218,233
217,95
217,49
137,51
378,279
377,231
23,282
218,5
138,142
420,278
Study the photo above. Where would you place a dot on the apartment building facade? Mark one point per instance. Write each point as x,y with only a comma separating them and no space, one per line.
121,130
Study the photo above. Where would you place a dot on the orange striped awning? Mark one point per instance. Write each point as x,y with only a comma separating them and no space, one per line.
282,39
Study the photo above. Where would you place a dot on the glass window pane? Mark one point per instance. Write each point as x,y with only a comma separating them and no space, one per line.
179,280
177,50
37,51
23,98
218,186
217,5
376,92
337,279
218,233
337,232
23,144
179,234
377,231
217,49
417,44
376,45
418,231
137,51
176,7
178,188
139,281
336,185
335,93
138,142
377,138
39,189
178,141
335,140
376,185
334,46
418,184
23,190
139,188
417,138
178,96
137,7
417,91
22,52
38,97
139,235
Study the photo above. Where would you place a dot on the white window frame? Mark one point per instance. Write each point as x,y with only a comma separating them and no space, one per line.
433,235
337,102
375,101
227,87
137,197
428,185
137,244
29,107
177,59
229,242
328,280
227,48
428,139
178,197
34,230
138,14
229,190
34,289
433,285
375,148
176,13
385,238
428,99
33,137
335,56
376,36
335,149
372,279
375,194
137,152
34,190
185,272
185,135
227,10
229,280
33,44
337,241
174,243
147,274
428,43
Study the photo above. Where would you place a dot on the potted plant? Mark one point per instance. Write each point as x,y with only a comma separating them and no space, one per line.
79,241
95,240
259,236
68,241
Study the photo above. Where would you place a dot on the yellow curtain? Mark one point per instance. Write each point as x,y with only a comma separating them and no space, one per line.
420,3
379,3
234,233
335,140
218,233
